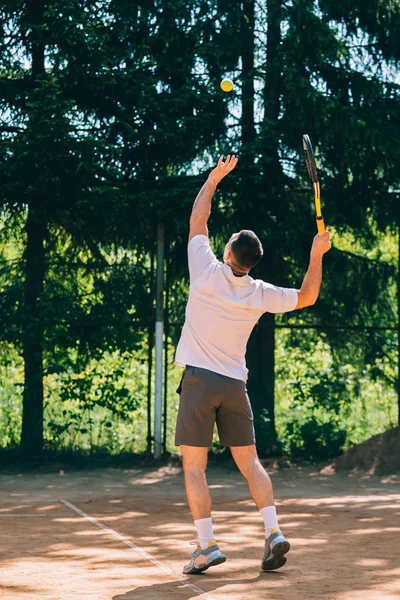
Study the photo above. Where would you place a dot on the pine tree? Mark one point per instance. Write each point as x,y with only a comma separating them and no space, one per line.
328,72
104,110
49,180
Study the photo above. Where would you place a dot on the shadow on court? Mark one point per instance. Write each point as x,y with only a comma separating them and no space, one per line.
344,533
177,590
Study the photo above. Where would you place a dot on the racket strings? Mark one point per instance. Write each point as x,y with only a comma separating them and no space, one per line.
310,160
313,174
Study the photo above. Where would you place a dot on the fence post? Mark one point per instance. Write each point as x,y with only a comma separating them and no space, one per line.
166,331
150,351
158,391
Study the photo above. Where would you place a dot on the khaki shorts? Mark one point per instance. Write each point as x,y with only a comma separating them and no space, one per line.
207,398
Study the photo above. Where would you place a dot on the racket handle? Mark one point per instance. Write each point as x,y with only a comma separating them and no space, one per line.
320,225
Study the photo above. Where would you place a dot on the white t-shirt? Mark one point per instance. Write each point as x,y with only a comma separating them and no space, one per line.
221,312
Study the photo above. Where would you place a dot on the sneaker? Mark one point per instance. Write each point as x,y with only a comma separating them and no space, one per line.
275,548
201,559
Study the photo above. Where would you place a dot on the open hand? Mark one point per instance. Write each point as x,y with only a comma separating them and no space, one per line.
223,168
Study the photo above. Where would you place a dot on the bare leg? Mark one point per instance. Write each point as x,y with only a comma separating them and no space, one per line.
260,485
194,469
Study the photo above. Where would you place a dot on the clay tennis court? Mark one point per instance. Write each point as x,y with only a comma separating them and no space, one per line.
122,534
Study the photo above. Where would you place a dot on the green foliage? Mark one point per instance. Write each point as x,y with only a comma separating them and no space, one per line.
316,439
108,110
11,384
89,405
328,400
93,403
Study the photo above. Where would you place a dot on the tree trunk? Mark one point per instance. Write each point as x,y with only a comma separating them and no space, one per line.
398,326
248,129
260,352
261,362
272,92
261,347
32,407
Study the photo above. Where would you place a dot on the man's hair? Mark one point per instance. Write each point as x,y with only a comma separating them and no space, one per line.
246,249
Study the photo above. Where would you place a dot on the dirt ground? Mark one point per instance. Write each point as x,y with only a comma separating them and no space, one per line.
123,534
378,455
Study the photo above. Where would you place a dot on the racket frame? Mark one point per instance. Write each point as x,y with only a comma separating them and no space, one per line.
312,171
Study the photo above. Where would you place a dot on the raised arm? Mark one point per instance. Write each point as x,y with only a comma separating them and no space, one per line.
311,285
202,205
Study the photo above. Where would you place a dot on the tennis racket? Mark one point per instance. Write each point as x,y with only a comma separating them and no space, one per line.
312,171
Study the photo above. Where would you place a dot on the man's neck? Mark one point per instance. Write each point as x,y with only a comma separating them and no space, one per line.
236,270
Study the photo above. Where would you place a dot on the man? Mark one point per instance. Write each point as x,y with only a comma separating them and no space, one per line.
224,305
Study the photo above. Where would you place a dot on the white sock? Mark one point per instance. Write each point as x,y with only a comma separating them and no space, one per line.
268,513
204,531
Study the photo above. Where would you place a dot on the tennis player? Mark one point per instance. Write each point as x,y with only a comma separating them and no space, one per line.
224,305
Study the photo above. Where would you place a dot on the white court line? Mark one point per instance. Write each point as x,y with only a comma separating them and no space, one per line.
31,515
140,551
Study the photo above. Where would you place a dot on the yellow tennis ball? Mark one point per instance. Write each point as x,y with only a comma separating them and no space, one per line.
226,85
